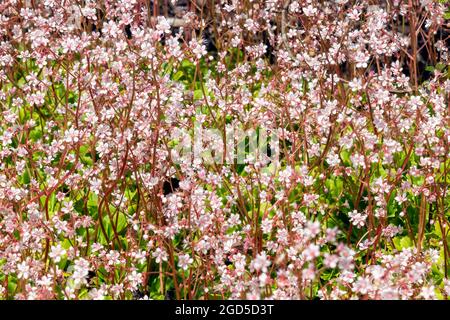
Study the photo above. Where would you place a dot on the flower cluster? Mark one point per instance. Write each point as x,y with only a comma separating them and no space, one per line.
96,204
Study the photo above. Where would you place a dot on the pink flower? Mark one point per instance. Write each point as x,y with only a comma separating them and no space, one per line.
358,219
159,255
57,252
261,262
184,261
198,49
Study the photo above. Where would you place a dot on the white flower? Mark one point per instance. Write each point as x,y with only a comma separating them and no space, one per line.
310,10
184,261
362,285
361,59
357,219
163,25
266,225
113,257
401,198
428,293
23,270
447,286
134,278
89,13
81,271
45,281
160,255
97,294
261,262
57,252
311,252
285,175
198,49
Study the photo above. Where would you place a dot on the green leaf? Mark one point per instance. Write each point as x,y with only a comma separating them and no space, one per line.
402,242
198,94
406,242
177,76
26,177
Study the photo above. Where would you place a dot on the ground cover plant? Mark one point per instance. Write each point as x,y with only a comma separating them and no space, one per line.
107,191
